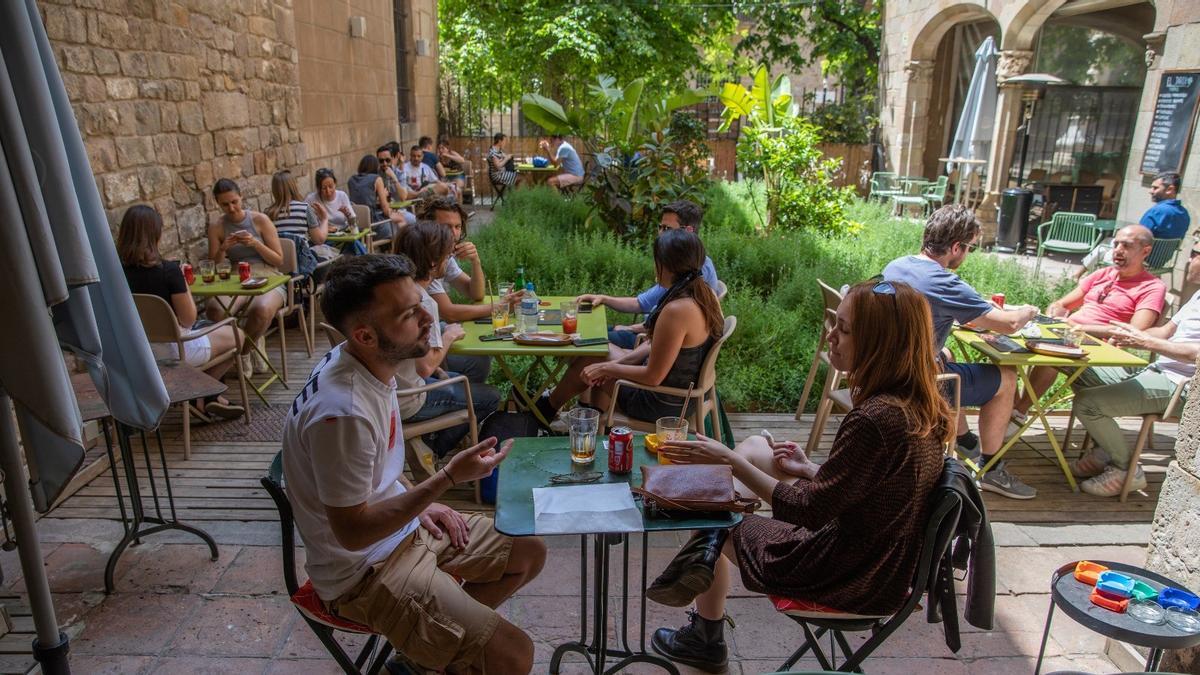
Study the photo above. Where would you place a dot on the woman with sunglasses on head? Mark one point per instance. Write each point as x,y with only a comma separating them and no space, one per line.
336,203
846,534
682,327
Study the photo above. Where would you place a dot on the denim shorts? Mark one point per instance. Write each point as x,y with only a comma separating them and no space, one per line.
980,381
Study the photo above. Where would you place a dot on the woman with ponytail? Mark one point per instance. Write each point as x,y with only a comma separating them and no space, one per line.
682,327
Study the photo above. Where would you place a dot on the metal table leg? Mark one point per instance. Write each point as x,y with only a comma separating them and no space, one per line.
1045,636
138,517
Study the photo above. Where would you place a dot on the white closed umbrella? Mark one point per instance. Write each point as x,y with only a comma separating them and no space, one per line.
973,135
63,287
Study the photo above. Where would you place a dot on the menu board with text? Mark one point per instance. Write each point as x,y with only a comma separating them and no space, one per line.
1174,118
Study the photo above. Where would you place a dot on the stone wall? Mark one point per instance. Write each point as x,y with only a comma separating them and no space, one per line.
172,95
348,86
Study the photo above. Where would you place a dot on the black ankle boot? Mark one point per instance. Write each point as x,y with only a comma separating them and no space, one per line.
699,644
691,571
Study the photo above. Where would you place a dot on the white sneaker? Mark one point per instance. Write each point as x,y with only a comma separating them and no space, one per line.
1092,464
1108,484
1015,422
559,424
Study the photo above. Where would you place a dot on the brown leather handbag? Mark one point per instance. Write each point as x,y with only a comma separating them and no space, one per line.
673,490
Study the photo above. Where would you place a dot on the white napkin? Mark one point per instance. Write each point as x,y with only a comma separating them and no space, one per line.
585,509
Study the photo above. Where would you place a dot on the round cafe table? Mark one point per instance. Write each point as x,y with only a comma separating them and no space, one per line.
1074,599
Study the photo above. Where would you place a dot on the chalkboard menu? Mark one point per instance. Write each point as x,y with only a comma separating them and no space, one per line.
1174,117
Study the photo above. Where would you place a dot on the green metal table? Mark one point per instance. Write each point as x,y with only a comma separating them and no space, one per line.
530,464
537,174
551,361
226,292
1098,354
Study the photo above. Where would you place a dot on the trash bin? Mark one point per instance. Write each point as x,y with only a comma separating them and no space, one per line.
1013,223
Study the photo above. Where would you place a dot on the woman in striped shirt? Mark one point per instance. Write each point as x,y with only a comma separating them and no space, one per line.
292,215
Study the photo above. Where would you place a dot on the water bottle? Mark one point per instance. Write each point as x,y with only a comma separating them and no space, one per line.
527,319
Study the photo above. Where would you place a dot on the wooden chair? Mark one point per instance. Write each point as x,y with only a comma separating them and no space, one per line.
1108,203
161,325
450,419
704,393
292,306
832,299
499,191
1067,232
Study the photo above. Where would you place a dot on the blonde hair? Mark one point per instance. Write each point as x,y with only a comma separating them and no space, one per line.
284,191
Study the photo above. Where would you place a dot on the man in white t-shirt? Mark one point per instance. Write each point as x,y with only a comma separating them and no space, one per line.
380,551
1103,394
421,179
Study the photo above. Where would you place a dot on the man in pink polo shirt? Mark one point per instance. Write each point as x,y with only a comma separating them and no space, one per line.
1124,292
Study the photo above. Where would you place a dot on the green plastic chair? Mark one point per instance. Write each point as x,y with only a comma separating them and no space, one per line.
912,194
936,193
1067,233
1163,256
884,186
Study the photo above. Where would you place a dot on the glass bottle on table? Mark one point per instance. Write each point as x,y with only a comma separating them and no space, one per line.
520,282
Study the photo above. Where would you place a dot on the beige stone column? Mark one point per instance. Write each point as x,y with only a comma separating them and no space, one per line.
1012,62
916,116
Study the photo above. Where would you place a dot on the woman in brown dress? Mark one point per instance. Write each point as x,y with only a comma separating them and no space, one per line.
845,534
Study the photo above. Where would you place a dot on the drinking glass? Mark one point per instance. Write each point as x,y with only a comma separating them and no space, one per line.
499,315
583,423
669,429
207,271
224,269
506,289
570,320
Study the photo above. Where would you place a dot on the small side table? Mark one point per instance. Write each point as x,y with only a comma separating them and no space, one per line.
1073,598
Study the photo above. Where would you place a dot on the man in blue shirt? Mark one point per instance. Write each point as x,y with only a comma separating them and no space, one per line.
950,234
679,214
1167,219
566,159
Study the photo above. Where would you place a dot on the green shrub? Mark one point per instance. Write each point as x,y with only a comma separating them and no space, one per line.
771,278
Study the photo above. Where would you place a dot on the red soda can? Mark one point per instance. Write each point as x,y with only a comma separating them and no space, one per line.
188,275
243,271
620,450
998,299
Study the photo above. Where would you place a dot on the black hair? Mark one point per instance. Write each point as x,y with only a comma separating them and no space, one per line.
682,254
415,147
689,213
224,185
383,148
368,164
497,137
1170,179
350,284
424,141
394,146
556,137
321,174
425,243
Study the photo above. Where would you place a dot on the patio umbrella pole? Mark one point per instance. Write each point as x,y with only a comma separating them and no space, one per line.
51,645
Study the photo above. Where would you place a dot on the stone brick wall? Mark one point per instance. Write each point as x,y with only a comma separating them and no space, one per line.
348,91
170,95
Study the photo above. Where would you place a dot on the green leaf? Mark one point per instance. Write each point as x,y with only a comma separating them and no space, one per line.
546,113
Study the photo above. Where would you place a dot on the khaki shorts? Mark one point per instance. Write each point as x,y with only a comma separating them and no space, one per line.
411,598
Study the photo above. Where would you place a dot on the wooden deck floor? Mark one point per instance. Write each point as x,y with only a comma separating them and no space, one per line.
220,481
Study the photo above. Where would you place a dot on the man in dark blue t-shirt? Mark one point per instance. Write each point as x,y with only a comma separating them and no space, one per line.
950,234
1167,219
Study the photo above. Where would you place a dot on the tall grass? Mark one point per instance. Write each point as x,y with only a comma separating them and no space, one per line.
771,279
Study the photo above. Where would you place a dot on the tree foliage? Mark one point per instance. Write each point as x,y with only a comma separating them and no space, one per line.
841,35
554,45
1090,57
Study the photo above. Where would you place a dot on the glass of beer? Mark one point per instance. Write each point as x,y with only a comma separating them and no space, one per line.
207,271
670,429
583,423
224,269
499,315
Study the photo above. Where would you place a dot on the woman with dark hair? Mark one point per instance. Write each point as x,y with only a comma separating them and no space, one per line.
297,217
336,203
242,235
844,535
367,188
147,272
682,327
429,245
501,166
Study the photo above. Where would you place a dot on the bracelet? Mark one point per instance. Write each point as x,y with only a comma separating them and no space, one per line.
449,477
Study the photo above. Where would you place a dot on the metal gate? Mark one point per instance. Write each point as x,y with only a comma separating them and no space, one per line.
1080,134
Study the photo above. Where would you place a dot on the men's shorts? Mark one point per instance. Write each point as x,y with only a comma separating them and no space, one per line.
414,600
980,381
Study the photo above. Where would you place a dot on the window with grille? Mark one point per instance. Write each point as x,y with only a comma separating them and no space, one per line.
404,54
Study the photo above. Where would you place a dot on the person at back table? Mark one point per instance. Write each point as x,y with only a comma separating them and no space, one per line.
367,188
422,182
147,273
1105,393
681,214
1124,293
241,235
566,159
380,550
951,233
846,534
501,165
296,217
683,328
430,158
1167,219
452,161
